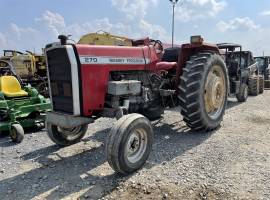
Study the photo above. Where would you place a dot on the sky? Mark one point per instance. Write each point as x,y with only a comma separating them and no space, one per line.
31,24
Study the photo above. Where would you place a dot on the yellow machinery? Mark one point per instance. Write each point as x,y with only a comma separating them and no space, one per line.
30,67
27,65
104,38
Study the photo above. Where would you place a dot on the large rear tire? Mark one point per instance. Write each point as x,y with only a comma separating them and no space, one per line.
203,91
129,143
261,84
65,137
253,85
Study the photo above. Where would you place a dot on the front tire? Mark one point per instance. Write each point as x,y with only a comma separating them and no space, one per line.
243,93
16,133
65,137
129,143
203,91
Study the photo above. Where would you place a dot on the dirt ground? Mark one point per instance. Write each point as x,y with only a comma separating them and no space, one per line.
232,162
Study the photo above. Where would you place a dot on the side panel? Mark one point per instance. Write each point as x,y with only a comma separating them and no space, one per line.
98,61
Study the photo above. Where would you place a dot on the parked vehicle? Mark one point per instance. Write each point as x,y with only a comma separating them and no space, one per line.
264,68
21,106
134,85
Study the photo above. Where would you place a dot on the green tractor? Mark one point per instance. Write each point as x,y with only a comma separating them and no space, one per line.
21,106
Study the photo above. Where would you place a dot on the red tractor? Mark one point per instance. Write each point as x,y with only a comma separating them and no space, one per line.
133,84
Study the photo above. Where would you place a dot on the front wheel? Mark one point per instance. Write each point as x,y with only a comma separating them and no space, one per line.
66,136
16,133
243,93
203,91
129,143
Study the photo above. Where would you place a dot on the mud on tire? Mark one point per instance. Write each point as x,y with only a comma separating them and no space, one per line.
193,92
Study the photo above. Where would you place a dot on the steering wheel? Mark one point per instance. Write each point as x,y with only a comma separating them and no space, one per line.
156,43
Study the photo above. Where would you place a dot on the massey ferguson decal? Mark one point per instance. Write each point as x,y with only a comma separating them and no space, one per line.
113,60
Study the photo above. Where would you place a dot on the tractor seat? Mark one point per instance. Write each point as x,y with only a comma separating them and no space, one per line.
10,87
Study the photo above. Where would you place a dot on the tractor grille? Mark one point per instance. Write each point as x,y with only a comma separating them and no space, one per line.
60,80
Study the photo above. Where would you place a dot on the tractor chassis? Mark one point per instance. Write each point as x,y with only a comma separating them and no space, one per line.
67,121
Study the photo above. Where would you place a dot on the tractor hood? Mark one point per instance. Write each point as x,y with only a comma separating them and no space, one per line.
116,55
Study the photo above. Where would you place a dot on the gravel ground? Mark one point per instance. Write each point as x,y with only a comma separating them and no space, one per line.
232,162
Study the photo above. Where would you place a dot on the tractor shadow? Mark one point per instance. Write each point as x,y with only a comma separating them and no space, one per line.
5,140
231,103
87,172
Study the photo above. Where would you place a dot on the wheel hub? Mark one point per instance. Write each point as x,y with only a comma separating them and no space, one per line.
69,133
136,145
214,90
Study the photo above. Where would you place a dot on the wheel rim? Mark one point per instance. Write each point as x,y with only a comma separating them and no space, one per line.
215,92
136,145
70,133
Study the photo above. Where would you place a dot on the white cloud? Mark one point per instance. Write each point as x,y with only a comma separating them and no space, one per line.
133,9
265,13
77,30
156,31
14,29
21,38
238,24
54,21
190,10
136,12
49,25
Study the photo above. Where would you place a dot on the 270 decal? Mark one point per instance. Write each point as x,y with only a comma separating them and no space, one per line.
90,60
103,60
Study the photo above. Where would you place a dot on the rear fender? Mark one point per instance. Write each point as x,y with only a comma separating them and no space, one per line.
187,50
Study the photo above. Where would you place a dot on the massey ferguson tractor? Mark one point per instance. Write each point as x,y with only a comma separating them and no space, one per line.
134,85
